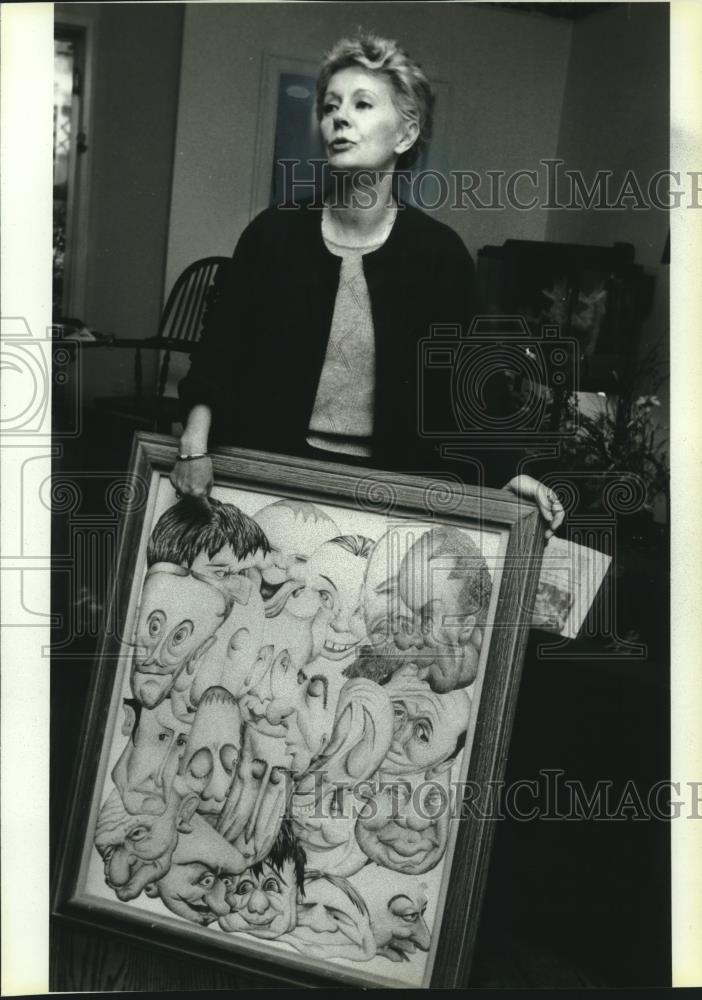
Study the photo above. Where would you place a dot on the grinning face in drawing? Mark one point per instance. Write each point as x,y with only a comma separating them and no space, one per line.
335,579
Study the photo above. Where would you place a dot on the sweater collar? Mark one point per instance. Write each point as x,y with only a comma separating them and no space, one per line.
394,248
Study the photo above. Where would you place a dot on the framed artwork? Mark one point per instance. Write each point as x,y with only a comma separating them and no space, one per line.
288,147
290,734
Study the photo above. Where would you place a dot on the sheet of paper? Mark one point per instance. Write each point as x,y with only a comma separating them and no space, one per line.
570,577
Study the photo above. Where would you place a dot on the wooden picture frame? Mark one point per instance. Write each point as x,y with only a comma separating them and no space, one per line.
509,534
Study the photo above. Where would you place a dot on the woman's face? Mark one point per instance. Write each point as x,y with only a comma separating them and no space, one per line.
361,127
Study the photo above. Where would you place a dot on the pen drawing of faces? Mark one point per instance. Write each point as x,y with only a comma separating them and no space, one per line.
293,717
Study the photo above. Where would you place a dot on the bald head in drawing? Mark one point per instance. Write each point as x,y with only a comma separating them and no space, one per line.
445,581
294,529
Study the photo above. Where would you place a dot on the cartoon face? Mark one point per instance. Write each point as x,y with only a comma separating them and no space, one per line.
137,849
258,680
212,751
397,911
263,903
406,825
202,871
393,634
392,629
360,125
298,624
400,927
178,615
445,582
254,810
335,577
145,771
426,725
332,920
294,530
301,709
324,827
360,738
384,610
229,661
195,891
229,572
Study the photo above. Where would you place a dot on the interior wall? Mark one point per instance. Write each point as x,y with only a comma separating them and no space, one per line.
616,118
130,164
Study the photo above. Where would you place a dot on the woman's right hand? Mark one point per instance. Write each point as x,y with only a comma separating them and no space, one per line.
193,477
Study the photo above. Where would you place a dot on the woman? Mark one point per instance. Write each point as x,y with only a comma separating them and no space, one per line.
311,341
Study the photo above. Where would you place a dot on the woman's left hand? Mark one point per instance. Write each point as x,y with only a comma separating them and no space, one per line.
548,503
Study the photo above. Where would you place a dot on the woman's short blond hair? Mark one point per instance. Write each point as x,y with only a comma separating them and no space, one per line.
413,95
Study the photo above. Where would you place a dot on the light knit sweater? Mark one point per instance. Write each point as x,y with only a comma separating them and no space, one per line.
342,418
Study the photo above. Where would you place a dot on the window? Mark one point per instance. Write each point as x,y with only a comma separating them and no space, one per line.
70,142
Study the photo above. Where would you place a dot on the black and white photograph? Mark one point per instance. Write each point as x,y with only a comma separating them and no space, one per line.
338,541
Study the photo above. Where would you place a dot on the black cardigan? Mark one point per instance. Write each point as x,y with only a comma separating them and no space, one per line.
266,328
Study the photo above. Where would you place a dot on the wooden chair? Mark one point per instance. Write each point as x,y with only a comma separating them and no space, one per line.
179,330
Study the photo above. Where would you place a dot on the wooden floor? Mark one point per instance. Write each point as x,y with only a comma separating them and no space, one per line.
82,961
89,961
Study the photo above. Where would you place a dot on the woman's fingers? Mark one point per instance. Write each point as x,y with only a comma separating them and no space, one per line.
546,503
551,509
558,516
